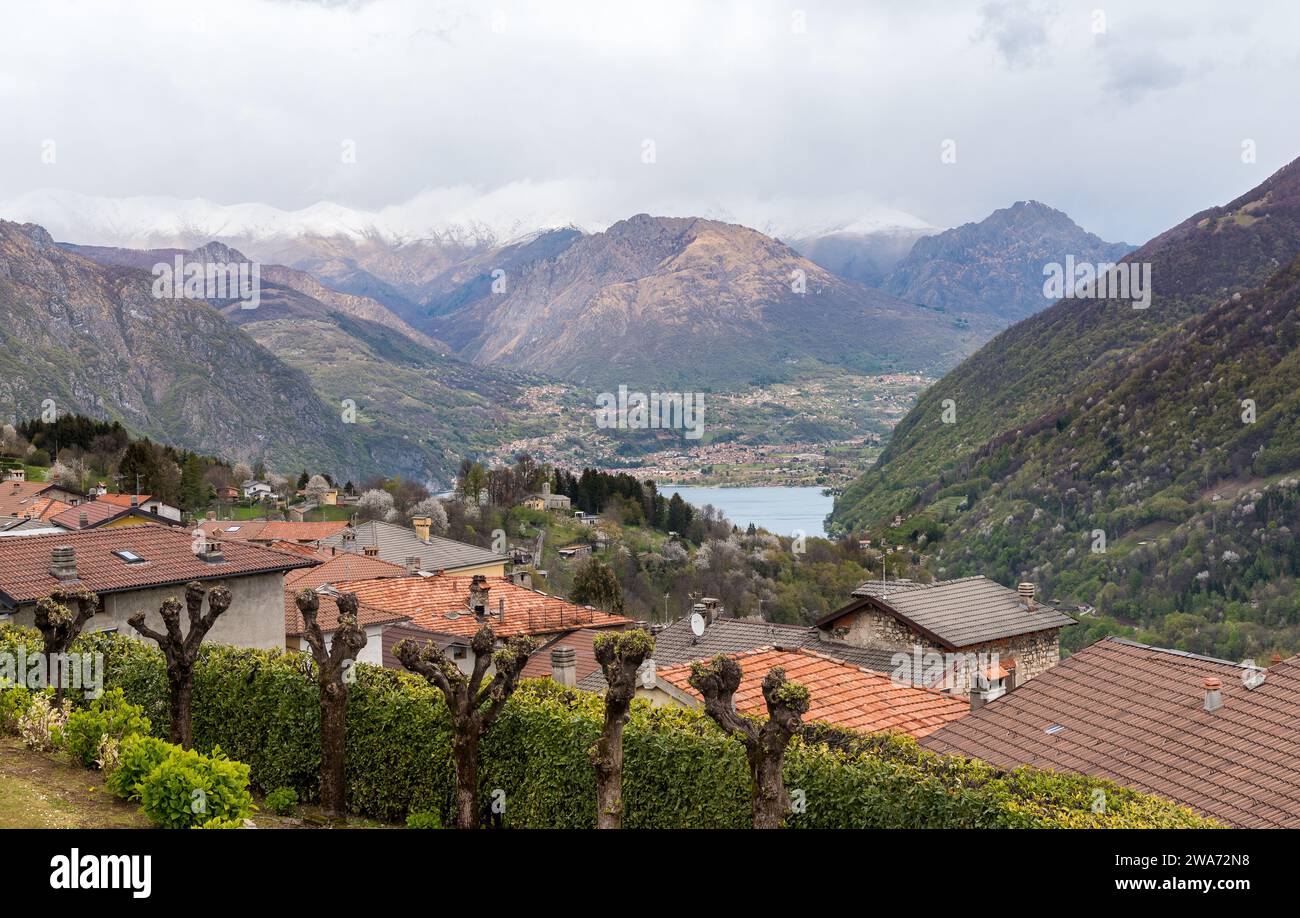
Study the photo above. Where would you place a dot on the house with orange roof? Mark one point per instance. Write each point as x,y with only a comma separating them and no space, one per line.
264,532
100,514
841,694
384,629
460,606
145,502
135,568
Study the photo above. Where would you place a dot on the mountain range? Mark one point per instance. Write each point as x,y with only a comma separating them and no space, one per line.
995,267
1170,430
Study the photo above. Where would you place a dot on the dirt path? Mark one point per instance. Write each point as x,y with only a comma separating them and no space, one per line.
47,792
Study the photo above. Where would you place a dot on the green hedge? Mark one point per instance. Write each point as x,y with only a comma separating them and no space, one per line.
680,770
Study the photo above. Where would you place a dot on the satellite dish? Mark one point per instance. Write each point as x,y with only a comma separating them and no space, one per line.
697,624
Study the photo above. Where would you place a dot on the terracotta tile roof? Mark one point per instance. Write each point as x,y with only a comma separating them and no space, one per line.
582,642
1136,714
441,603
272,530
954,613
841,694
328,616
167,552
17,497
678,644
97,513
294,548
46,508
124,500
339,568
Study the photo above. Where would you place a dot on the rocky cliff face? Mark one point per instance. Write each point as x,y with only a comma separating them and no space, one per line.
94,339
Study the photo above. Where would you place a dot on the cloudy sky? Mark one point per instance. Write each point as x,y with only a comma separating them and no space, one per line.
788,116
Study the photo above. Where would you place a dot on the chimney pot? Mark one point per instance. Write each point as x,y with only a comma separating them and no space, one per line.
1276,659
63,563
83,521
564,666
1026,591
1213,693
423,526
412,564
135,500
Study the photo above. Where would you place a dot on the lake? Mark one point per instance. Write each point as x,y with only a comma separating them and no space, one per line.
776,509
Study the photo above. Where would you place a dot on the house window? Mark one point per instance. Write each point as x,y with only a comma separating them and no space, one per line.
458,653
129,557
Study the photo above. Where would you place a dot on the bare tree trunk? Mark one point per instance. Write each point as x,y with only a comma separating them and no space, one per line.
609,772
181,651
182,698
620,655
59,626
333,669
333,742
464,757
787,702
770,800
473,705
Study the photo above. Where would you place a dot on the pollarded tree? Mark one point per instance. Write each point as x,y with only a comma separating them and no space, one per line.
620,655
787,702
182,651
474,706
59,626
333,663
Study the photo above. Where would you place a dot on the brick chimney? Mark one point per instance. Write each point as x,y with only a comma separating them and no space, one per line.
423,526
63,563
83,521
1213,693
1276,659
212,553
370,551
413,564
1026,593
564,666
478,595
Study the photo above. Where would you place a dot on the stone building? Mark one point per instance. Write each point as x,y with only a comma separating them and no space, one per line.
950,633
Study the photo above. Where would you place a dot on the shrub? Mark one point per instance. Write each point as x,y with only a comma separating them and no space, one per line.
108,716
424,820
41,725
282,801
680,770
137,756
188,789
14,702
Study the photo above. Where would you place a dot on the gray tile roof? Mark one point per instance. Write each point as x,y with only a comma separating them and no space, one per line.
970,610
397,543
677,644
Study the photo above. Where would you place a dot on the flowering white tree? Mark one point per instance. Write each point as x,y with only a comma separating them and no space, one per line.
432,508
375,505
316,488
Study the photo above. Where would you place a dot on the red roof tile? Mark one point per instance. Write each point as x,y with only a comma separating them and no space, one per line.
441,603
328,614
339,568
539,664
272,530
840,693
167,552
1136,714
